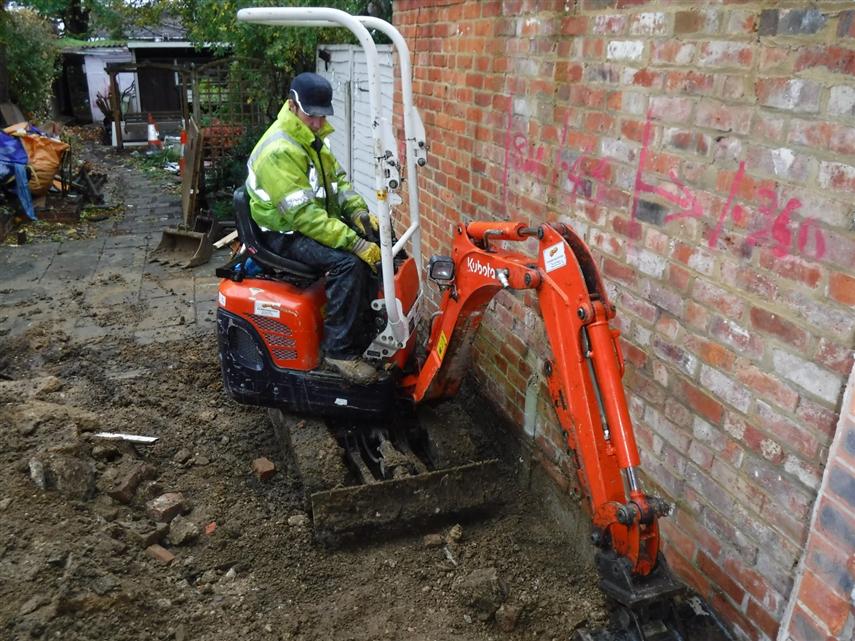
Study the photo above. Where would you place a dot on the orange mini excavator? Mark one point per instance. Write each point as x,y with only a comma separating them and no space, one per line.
270,327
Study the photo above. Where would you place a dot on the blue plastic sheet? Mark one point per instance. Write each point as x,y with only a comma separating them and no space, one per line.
13,162
11,150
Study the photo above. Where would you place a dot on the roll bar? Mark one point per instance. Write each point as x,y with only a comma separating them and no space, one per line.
386,168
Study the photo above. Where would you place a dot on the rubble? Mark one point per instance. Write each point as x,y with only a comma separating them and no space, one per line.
69,475
484,591
263,468
121,483
160,553
182,531
166,506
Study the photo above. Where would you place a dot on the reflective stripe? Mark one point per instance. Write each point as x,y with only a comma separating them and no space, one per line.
252,185
277,135
295,199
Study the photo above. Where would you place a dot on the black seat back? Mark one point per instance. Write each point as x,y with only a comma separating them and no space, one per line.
250,235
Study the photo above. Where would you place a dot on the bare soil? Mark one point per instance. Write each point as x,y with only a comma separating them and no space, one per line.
73,558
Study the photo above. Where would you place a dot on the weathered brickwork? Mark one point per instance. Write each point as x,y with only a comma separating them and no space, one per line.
706,152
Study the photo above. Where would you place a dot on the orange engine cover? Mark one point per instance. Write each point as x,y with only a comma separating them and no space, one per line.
288,319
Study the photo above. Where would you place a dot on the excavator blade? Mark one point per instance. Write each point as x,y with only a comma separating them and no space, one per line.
394,506
349,502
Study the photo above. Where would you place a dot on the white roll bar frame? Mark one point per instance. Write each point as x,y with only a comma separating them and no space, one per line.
397,331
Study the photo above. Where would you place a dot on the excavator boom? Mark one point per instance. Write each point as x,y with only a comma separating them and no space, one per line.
583,375
584,381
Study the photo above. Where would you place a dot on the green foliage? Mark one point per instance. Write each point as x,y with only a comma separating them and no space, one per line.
283,51
31,57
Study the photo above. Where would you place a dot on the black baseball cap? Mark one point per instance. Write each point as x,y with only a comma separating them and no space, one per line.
312,93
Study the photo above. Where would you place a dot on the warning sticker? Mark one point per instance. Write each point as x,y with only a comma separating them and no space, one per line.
554,257
222,299
265,308
441,344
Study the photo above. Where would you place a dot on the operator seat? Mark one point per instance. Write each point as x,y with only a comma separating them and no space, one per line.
250,235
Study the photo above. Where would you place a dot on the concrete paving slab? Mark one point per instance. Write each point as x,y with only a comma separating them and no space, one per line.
128,240
166,285
166,312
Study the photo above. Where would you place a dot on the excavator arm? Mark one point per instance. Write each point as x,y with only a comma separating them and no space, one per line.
584,377
584,380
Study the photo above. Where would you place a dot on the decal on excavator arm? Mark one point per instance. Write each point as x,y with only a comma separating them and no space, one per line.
554,257
441,344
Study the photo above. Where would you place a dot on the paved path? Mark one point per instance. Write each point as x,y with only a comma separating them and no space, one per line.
106,286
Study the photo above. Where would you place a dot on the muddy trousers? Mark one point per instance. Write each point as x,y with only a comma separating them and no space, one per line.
347,284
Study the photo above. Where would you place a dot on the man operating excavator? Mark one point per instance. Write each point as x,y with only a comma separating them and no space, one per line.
309,212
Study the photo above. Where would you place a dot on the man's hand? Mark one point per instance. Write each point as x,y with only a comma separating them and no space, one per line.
366,224
369,252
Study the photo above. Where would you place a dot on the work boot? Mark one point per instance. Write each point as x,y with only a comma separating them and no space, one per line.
355,371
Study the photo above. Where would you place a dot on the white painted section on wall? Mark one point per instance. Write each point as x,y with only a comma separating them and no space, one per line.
352,140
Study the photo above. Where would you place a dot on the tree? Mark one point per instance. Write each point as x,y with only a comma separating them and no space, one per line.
288,50
31,55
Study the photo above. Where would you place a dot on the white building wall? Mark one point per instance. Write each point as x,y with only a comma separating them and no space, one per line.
94,64
352,141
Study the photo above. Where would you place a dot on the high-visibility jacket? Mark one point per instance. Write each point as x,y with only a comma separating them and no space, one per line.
295,184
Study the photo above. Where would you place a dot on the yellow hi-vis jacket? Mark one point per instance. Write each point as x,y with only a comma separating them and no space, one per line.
295,184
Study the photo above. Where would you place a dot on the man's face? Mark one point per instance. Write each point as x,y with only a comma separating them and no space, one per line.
312,122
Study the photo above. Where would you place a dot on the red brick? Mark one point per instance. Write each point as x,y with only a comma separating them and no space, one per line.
719,299
792,268
792,94
705,405
812,134
712,353
771,323
733,615
804,627
762,619
160,553
689,573
835,357
720,577
828,606
263,468
751,580
798,438
841,287
166,506
835,59
767,386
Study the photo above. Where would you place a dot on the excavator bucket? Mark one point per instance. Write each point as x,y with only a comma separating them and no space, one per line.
181,248
347,496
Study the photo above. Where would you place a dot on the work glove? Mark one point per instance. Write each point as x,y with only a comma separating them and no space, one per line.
369,252
366,224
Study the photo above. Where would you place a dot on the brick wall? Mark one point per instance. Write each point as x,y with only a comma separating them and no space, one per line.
706,152
821,605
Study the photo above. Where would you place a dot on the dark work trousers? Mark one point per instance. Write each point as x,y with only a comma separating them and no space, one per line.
348,282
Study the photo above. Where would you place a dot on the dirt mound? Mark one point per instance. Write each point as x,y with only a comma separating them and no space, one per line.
74,559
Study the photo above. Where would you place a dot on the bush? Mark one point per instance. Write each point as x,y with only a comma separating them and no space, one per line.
32,57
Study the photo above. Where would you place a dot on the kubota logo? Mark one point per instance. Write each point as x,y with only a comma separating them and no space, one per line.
476,267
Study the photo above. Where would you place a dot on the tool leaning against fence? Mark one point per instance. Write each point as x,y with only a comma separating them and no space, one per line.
191,243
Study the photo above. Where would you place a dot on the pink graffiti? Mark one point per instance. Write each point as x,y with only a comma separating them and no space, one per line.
775,228
685,200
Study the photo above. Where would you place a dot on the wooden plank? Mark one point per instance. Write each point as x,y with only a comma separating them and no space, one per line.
191,179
